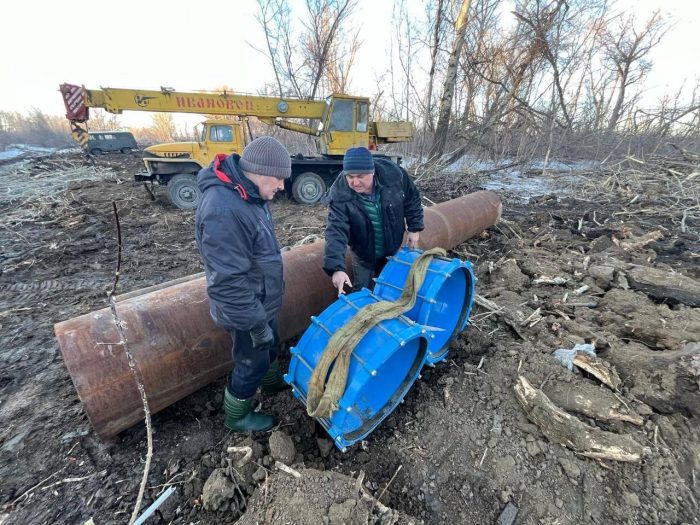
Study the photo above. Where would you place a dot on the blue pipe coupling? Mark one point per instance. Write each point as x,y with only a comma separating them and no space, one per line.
388,359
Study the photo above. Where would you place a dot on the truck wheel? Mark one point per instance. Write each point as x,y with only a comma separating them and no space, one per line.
183,191
308,188
96,151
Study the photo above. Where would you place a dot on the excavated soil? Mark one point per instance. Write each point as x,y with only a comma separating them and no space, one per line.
461,449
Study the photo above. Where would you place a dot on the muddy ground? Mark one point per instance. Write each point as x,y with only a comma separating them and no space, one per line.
461,449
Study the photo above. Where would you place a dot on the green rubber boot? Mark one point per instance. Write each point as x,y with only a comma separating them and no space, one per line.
240,418
273,380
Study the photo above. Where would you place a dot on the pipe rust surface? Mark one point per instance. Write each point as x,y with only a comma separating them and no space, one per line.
177,347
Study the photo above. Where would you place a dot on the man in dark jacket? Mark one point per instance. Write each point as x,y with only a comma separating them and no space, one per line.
372,204
243,264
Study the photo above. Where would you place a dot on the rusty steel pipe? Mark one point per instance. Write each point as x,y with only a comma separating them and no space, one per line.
177,347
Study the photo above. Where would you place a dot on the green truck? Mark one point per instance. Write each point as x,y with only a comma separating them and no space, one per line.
111,141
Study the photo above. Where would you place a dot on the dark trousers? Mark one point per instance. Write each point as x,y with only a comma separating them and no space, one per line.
249,364
362,273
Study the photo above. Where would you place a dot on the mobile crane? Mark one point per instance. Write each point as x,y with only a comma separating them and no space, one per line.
343,122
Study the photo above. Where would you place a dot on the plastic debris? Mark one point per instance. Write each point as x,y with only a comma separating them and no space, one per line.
508,515
566,355
157,503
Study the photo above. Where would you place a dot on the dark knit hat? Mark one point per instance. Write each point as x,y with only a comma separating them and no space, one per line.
358,160
266,156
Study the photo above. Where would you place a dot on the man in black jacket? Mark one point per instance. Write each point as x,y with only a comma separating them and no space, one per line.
372,204
243,265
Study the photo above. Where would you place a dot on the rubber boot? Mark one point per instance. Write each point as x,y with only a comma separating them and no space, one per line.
240,418
273,380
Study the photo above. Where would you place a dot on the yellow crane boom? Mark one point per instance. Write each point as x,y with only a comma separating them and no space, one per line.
117,100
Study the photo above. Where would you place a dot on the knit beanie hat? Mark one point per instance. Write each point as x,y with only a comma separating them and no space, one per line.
358,160
266,156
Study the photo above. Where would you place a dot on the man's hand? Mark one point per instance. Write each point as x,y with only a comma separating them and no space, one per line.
412,239
262,336
340,279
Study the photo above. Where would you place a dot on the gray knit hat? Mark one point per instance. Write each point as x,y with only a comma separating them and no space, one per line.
266,156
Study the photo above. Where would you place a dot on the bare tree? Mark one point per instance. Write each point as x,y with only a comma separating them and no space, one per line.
162,127
625,50
440,138
564,71
501,72
100,120
35,128
340,61
273,17
437,29
542,20
303,70
671,113
408,104
324,23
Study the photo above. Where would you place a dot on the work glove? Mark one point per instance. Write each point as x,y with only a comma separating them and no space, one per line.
262,336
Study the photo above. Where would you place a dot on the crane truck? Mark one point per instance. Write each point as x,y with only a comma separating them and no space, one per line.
341,122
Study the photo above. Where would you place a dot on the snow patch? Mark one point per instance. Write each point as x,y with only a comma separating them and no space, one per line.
17,150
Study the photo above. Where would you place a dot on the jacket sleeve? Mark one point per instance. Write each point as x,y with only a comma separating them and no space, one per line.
227,246
337,236
412,207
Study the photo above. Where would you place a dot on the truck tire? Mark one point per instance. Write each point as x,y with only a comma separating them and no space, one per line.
308,188
96,151
183,191
126,150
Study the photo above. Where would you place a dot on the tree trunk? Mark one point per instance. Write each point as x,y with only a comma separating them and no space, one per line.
565,429
664,285
668,381
585,397
617,110
440,139
433,60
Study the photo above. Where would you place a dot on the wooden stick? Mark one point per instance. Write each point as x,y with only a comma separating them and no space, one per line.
29,490
587,398
389,483
288,470
247,454
507,316
598,368
134,370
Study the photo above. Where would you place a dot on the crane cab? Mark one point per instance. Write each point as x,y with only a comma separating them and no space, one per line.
344,124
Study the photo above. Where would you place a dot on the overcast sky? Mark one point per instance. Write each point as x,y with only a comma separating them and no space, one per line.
203,44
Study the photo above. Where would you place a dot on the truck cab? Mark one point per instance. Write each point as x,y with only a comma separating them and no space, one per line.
220,136
176,164
215,136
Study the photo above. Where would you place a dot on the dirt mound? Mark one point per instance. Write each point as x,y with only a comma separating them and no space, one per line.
317,497
556,272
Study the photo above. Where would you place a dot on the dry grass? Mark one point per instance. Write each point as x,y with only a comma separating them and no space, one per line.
20,183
